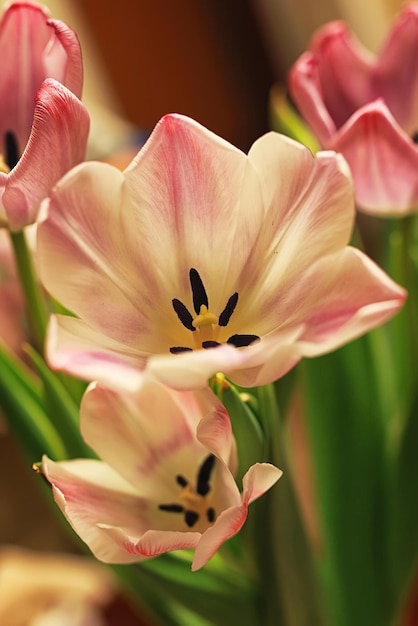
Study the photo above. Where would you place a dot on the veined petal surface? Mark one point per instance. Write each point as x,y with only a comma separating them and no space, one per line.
57,142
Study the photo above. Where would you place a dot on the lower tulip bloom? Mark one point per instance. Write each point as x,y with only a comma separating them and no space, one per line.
166,479
198,259
366,107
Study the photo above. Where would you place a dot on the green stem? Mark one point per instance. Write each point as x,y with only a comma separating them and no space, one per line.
35,304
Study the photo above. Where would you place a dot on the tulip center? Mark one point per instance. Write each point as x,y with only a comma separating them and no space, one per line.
194,502
206,326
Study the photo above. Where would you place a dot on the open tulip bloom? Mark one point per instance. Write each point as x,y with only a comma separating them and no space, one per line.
43,125
366,107
166,479
199,258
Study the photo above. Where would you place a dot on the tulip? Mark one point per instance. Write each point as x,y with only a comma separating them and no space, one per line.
43,125
165,481
366,107
198,259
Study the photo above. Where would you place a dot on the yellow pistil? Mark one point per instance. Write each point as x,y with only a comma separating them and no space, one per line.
192,501
206,324
4,168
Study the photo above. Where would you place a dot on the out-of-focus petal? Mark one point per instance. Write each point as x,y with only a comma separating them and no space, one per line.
344,69
57,143
70,71
35,48
383,160
395,77
306,90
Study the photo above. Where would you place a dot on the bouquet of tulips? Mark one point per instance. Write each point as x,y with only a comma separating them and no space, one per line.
207,322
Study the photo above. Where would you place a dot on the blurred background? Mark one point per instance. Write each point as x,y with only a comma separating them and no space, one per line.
214,60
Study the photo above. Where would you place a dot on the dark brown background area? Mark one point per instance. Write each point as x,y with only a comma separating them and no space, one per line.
202,58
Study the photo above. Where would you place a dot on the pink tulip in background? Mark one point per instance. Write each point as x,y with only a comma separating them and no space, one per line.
43,125
198,259
165,481
366,107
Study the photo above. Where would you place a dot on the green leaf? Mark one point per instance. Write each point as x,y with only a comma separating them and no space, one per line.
22,405
62,409
403,508
347,438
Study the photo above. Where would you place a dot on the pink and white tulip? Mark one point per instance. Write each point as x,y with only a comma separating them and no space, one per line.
366,107
43,124
199,258
165,481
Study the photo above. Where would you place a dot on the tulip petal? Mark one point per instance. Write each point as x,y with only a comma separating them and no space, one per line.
199,199
344,71
70,71
57,143
152,543
91,495
154,428
383,160
35,48
353,296
396,75
259,478
258,364
73,347
307,199
306,90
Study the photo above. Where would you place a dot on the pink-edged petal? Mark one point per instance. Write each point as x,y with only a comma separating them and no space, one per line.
57,143
259,478
75,348
396,74
91,495
214,431
307,199
258,364
306,90
191,370
63,59
344,70
35,48
91,235
23,37
345,296
148,437
200,197
153,542
383,161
